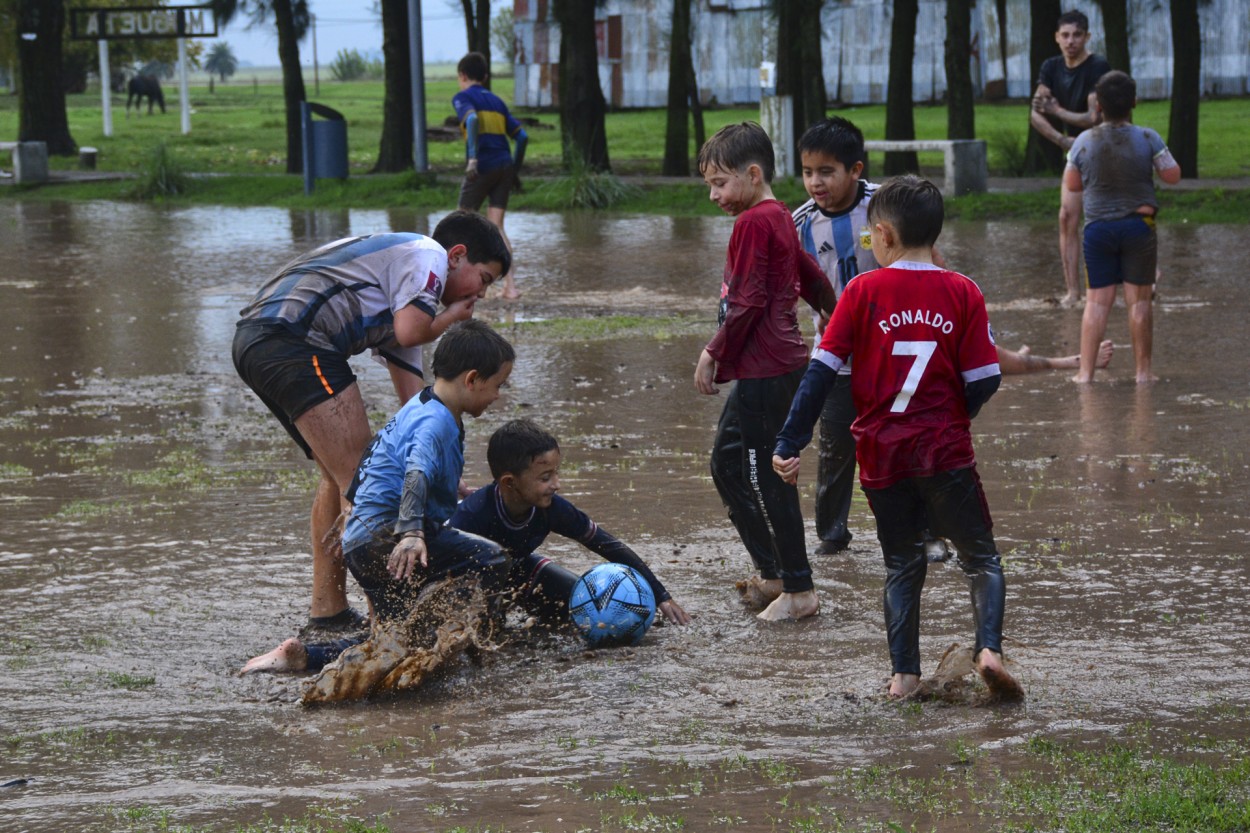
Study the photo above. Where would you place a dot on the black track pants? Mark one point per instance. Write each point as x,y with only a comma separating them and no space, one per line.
764,509
835,468
955,507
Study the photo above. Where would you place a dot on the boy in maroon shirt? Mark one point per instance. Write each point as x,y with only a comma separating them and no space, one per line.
759,348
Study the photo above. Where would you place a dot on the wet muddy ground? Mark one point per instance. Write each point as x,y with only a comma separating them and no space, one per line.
155,536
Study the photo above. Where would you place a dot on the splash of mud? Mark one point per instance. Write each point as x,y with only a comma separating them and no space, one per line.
956,681
449,618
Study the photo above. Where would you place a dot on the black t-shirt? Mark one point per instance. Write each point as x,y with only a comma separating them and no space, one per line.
1071,87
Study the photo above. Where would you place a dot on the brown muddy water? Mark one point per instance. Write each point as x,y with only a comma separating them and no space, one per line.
155,536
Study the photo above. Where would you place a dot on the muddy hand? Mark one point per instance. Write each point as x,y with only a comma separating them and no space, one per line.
406,555
674,613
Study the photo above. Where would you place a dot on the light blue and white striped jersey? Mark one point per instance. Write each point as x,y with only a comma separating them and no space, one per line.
834,240
344,295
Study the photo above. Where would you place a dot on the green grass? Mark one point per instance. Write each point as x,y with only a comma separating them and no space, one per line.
238,137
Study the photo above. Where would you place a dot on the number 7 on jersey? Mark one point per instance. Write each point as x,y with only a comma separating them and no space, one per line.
923,351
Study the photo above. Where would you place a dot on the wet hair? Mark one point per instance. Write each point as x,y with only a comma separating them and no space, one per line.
913,206
479,236
515,445
836,137
735,147
1075,18
1117,93
474,67
471,345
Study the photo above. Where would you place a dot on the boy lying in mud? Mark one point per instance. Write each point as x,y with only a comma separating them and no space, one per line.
521,508
396,542
518,510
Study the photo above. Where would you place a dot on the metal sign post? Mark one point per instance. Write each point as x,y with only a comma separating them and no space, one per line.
139,22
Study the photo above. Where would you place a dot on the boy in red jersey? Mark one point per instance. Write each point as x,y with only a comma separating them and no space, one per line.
925,363
759,348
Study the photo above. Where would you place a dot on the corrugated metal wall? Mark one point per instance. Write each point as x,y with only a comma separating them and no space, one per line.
732,37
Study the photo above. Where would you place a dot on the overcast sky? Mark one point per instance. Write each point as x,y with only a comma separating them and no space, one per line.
352,24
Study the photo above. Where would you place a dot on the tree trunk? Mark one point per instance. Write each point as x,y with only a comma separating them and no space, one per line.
900,123
41,104
395,148
1040,155
482,42
960,115
583,109
800,64
292,84
677,127
1186,87
470,29
812,62
1115,27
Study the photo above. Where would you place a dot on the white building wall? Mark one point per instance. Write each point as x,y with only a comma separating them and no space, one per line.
731,38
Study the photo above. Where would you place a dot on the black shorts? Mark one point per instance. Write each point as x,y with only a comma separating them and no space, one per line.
496,185
288,374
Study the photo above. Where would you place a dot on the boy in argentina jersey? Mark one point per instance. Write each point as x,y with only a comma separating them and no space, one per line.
386,293
924,364
830,227
521,508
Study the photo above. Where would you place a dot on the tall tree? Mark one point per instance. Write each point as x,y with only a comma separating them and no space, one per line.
1186,87
477,29
1041,155
291,18
1115,34
900,122
395,146
800,62
42,116
960,115
680,67
583,109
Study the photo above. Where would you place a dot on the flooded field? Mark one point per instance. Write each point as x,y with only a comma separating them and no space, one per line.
155,536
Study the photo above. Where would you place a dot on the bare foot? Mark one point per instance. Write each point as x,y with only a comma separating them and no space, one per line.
1003,687
1146,378
289,656
903,685
792,606
1069,301
1082,380
1105,349
510,292
757,593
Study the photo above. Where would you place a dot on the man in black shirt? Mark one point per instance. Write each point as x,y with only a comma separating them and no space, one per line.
1064,105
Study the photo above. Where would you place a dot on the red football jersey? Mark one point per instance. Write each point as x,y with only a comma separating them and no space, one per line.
919,334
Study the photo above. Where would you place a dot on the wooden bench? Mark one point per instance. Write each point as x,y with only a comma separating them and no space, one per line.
967,171
30,161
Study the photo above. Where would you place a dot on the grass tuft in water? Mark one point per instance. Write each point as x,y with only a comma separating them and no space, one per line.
161,176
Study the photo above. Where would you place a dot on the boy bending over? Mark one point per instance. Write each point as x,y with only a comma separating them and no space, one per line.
385,293
521,508
924,365
397,540
759,348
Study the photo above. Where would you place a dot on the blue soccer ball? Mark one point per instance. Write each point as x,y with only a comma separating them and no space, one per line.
612,605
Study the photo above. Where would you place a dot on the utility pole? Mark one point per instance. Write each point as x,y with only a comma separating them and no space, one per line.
416,64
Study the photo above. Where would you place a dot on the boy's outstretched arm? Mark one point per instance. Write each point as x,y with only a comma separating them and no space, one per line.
410,528
804,411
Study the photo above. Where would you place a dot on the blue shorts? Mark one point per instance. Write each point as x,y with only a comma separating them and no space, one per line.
1121,251
288,374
